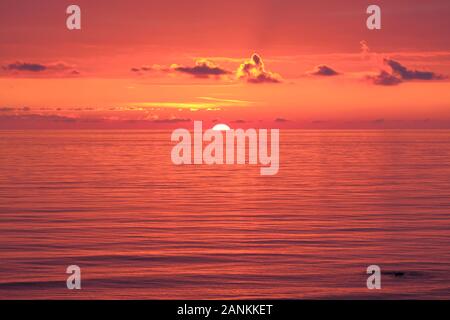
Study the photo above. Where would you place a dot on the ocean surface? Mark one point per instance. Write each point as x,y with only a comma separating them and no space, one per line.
140,227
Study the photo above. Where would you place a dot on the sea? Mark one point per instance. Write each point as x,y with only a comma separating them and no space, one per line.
140,227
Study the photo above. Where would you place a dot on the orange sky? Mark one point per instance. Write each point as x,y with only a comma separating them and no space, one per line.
152,63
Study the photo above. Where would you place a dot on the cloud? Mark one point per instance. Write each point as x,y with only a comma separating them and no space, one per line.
227,101
253,71
364,47
398,73
281,120
155,67
11,109
385,79
38,68
323,70
407,74
202,69
23,66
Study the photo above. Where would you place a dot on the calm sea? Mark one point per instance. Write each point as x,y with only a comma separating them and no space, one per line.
113,203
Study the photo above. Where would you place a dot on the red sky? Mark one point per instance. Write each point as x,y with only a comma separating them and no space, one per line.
152,63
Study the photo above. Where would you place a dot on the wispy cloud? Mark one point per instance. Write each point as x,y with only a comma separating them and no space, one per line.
11,109
177,105
155,67
39,117
227,101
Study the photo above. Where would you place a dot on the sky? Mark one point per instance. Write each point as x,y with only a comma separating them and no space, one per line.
288,64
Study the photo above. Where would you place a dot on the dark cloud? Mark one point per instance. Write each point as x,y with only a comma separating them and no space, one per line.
385,79
253,71
23,66
399,73
202,69
324,70
407,74
27,67
155,67
281,120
